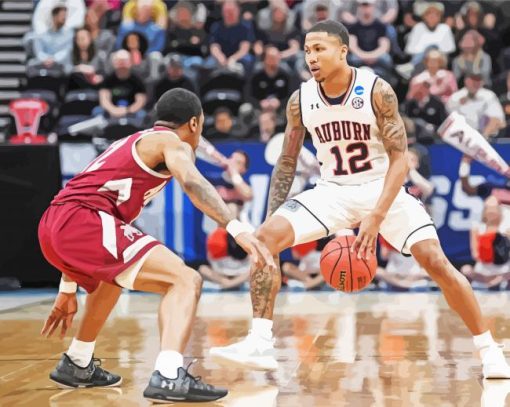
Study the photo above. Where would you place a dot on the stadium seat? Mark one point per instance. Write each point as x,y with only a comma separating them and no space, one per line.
46,78
216,98
27,115
79,102
222,79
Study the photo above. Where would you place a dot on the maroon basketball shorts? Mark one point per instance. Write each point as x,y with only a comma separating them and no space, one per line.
91,246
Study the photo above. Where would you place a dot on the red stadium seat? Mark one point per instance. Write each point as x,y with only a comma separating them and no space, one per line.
27,115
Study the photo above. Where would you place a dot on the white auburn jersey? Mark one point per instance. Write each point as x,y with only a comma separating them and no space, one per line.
345,135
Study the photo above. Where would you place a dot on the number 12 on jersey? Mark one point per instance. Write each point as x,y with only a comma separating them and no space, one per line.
357,161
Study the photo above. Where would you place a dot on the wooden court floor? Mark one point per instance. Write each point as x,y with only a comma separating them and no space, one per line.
334,350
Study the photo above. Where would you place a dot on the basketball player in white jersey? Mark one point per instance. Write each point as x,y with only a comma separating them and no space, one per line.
361,144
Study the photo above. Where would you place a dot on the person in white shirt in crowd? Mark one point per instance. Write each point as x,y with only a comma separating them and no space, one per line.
54,47
430,32
480,106
42,18
490,247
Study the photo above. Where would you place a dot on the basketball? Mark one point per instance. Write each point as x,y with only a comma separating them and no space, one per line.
342,270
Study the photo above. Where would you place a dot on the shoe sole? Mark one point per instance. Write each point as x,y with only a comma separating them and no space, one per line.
83,386
172,399
242,363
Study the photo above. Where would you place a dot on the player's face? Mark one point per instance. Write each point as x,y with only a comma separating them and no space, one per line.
324,54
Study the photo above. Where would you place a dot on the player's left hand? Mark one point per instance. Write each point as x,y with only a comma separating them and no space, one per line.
64,309
365,242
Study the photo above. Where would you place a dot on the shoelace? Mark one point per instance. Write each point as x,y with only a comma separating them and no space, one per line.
197,379
97,363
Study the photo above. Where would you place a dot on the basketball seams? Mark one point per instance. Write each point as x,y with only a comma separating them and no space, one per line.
334,268
368,268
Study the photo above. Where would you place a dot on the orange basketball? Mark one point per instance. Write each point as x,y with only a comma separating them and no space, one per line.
342,270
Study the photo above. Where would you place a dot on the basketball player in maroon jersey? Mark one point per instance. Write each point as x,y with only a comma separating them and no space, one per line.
361,144
86,233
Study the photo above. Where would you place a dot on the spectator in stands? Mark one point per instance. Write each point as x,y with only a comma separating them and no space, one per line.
224,127
368,43
175,77
472,57
104,40
498,188
185,38
422,104
230,184
280,31
229,266
266,127
490,247
42,20
158,13
472,17
136,44
143,24
416,184
314,11
504,99
270,85
442,81
386,11
198,13
54,47
122,93
89,64
230,40
307,273
478,105
430,32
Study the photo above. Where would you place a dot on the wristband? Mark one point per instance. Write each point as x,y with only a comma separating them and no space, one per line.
67,287
234,228
237,179
464,169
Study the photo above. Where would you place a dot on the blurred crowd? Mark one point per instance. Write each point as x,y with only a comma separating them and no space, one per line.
113,59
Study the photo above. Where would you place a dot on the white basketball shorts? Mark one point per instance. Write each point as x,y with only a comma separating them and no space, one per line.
328,207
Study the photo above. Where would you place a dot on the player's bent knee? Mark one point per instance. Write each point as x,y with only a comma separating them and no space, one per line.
275,236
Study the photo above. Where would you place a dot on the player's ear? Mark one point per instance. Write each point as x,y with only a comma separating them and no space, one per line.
193,124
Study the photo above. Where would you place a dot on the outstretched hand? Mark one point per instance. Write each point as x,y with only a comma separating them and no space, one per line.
259,253
366,240
64,309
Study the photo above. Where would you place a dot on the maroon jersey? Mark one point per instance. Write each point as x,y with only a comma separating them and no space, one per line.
117,182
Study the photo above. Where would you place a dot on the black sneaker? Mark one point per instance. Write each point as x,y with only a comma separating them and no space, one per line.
69,375
183,388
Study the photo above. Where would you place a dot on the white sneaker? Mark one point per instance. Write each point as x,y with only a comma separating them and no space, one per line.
494,363
252,352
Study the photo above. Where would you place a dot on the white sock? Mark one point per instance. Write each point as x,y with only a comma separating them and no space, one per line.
167,362
81,352
483,341
262,327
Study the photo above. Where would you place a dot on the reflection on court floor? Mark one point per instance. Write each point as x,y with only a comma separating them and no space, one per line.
334,350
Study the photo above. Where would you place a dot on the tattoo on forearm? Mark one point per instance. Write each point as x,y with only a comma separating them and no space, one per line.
285,168
205,197
390,123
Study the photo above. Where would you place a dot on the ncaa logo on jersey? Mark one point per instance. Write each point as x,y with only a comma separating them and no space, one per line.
358,90
357,103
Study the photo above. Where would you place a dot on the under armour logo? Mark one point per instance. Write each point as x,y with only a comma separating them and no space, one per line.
130,232
316,106
167,384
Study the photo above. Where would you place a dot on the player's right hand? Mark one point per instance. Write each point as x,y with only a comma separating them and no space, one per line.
64,309
258,252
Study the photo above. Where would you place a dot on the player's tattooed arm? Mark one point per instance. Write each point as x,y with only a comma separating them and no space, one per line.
285,168
180,161
391,125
